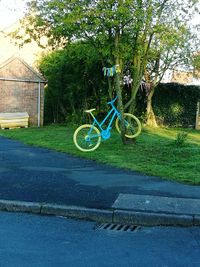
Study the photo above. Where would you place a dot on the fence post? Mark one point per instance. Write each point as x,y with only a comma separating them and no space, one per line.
198,116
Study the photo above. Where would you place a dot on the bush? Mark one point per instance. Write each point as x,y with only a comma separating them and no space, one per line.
174,104
75,82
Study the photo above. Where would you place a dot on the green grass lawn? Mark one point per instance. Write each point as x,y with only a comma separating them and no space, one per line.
154,152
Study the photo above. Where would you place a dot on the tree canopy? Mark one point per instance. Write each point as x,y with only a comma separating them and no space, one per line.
131,33
120,30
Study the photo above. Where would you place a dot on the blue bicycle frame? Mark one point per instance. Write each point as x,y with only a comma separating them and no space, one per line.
105,134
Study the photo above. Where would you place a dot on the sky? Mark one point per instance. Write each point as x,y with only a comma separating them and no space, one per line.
11,11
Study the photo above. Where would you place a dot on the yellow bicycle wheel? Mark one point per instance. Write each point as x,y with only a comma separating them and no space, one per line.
133,126
87,138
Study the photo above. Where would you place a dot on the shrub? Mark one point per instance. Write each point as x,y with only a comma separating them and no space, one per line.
181,139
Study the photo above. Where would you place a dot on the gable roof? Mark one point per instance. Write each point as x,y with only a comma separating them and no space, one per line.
16,68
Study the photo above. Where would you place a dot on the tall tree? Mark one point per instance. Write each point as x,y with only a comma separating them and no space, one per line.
171,48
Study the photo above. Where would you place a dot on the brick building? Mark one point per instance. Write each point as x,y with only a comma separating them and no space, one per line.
21,90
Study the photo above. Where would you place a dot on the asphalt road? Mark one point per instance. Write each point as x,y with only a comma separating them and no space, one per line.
41,241
41,175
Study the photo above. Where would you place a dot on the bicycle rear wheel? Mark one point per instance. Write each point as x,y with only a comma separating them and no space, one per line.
87,138
132,125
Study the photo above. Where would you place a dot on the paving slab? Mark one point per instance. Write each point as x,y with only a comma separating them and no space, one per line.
149,203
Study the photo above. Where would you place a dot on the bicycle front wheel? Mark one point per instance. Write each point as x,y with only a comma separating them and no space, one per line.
132,125
87,138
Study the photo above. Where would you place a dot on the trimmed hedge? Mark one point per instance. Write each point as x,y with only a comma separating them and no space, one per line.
174,104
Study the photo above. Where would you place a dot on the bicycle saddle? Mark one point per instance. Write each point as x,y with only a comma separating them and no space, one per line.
90,110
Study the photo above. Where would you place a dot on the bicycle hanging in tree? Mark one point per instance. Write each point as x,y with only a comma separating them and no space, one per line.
88,137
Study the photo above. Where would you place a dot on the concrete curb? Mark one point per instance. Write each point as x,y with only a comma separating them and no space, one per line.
20,206
77,212
153,219
102,215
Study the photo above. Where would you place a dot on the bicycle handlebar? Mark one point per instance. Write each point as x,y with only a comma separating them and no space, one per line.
112,101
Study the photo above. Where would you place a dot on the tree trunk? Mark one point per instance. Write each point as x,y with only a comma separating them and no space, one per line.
118,61
120,105
151,119
133,97
137,74
110,88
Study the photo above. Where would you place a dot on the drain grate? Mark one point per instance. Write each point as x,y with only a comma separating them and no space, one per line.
118,227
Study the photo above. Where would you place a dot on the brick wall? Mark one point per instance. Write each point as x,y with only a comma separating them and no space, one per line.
22,97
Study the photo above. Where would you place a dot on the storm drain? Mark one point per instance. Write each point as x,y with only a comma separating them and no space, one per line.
118,227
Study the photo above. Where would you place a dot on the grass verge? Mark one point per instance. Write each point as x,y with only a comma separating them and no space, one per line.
154,153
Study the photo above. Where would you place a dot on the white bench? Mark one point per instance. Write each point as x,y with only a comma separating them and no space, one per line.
14,120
